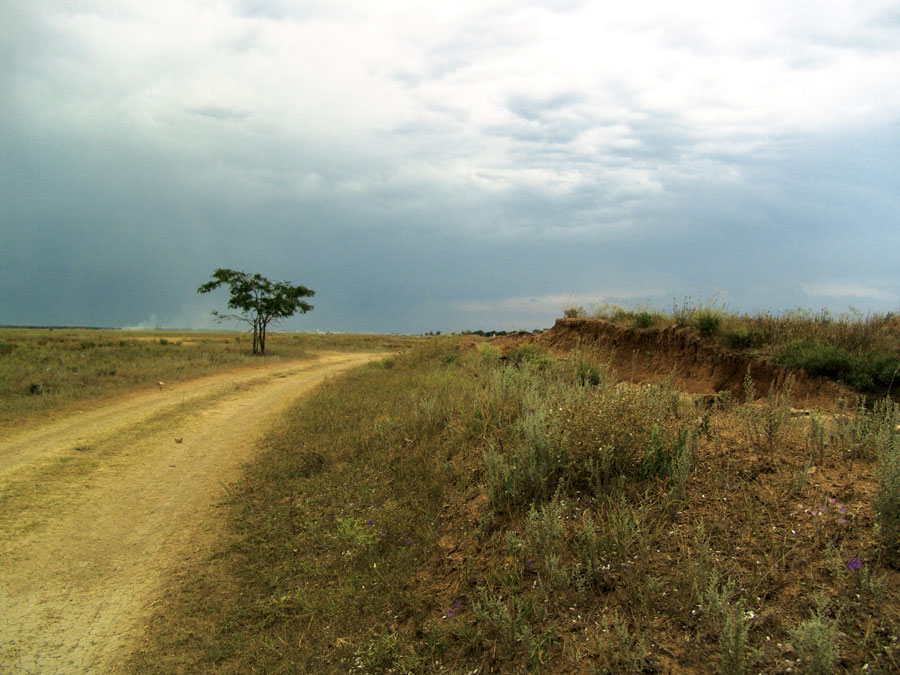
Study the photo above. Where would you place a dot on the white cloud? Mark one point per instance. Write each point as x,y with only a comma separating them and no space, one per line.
848,289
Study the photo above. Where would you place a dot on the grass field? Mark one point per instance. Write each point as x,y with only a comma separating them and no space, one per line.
450,510
45,371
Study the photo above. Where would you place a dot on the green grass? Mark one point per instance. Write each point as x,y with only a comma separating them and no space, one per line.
452,510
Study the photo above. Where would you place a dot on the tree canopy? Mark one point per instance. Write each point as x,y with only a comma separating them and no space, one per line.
259,300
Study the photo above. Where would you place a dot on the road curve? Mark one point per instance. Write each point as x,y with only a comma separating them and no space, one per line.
122,495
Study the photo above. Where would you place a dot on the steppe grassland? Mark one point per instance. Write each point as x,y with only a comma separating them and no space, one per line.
50,370
451,509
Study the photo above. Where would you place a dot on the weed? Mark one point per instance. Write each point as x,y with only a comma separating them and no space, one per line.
815,641
662,458
887,497
529,472
816,440
632,647
504,624
529,353
868,372
741,337
707,321
765,425
589,374
733,641
593,570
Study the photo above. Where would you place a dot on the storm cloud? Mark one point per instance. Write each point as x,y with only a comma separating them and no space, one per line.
426,166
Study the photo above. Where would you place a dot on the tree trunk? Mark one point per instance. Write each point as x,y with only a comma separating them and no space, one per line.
256,336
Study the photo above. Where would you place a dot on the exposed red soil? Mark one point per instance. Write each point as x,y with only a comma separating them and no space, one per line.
696,365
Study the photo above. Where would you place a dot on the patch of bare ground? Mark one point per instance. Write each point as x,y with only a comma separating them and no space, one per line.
101,510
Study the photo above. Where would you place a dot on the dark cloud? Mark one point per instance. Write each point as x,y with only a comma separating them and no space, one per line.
451,209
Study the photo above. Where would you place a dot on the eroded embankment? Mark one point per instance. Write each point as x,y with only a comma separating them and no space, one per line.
696,365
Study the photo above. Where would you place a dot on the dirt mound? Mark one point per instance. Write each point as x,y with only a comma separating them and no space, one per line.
697,366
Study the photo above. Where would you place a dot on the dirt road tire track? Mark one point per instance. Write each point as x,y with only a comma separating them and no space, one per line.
77,586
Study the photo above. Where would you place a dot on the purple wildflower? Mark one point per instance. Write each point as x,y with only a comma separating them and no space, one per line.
853,563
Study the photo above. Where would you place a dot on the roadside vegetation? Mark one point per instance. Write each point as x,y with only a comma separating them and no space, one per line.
452,509
860,351
50,370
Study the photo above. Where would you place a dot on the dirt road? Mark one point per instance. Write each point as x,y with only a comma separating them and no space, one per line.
98,509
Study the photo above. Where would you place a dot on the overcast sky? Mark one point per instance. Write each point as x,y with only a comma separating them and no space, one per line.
447,165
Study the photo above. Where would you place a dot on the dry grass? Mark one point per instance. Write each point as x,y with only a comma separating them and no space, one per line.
46,371
451,511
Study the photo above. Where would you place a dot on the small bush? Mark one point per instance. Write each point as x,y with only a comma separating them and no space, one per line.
588,374
816,643
866,372
743,338
816,358
764,425
504,625
887,499
529,472
529,353
644,320
707,321
6,348
733,641
605,435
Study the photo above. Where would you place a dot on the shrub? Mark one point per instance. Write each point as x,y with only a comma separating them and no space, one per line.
663,456
605,434
589,374
816,358
529,353
733,641
816,643
706,321
6,348
887,499
529,472
744,338
866,372
505,626
644,319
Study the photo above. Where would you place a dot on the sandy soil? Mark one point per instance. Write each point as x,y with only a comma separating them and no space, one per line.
124,495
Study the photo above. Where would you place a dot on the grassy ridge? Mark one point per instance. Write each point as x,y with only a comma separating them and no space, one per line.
453,510
860,351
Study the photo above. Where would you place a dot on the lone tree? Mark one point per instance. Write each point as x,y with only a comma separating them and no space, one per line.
259,300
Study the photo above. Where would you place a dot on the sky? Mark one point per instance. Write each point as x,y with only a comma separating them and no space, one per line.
479,164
